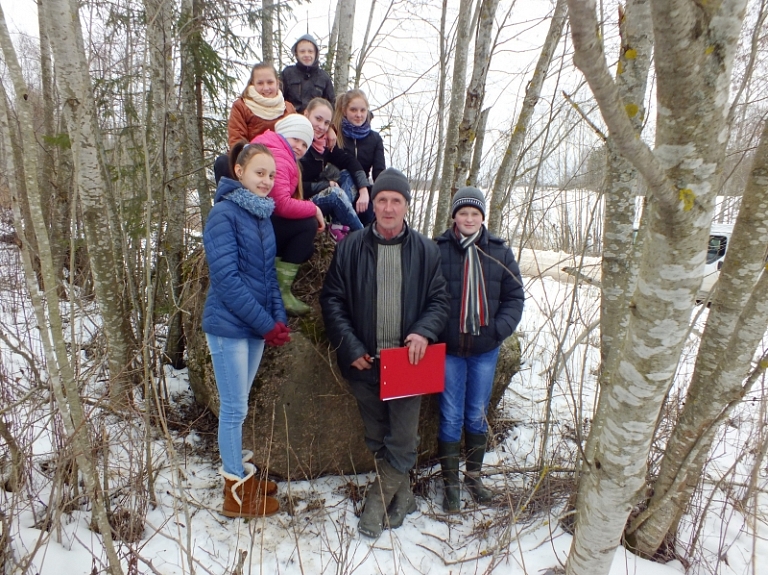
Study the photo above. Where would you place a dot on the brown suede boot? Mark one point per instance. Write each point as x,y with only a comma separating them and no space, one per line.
263,485
242,497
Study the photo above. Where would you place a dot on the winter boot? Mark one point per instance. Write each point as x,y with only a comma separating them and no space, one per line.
448,453
402,504
286,273
263,485
379,496
475,446
242,497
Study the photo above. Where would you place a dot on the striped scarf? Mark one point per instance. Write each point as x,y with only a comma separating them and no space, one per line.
474,301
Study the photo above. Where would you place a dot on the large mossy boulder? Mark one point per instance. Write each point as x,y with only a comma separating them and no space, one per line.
302,420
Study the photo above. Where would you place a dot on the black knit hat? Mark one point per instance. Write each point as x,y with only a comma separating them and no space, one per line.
468,196
392,180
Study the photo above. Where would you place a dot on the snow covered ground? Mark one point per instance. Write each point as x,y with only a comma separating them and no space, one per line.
315,531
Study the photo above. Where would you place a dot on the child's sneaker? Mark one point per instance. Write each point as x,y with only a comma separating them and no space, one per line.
338,232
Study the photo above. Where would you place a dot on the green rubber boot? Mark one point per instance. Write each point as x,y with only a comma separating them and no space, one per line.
286,273
475,446
448,453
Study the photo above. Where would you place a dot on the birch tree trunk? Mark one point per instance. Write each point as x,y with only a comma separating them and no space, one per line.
694,48
477,154
623,182
346,19
443,75
719,375
468,128
46,303
74,86
503,184
456,105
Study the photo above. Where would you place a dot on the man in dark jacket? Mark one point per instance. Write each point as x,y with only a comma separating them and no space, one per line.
305,79
385,289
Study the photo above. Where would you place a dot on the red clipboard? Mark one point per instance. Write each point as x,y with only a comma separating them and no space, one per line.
401,379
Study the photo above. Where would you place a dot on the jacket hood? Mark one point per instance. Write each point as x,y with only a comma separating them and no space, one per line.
307,38
226,185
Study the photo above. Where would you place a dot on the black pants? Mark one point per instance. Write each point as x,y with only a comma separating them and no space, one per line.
391,427
295,238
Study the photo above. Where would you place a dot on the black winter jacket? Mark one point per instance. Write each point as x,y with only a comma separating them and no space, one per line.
504,290
369,151
348,298
313,162
303,83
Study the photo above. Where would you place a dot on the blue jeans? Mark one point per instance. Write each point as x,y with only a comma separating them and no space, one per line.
348,185
334,202
235,363
464,403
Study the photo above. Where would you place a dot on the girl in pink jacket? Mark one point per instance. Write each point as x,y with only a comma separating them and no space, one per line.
295,220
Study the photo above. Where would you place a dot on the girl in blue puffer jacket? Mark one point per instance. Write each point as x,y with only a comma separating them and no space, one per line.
243,311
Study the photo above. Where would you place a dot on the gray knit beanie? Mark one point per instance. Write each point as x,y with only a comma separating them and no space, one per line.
307,38
468,196
392,180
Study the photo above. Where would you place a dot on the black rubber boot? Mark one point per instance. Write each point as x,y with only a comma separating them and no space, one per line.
378,498
475,447
448,453
402,504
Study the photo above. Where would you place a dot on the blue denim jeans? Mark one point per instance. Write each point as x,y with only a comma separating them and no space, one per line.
348,185
235,363
334,202
464,403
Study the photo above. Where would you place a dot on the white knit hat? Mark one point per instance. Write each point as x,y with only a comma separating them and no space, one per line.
296,126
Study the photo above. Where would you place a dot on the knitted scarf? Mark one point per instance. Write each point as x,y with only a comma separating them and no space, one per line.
474,301
260,207
355,132
320,144
264,108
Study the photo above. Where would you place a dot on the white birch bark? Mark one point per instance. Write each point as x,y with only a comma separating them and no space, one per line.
46,304
623,182
720,370
475,96
93,183
427,227
477,153
455,110
343,57
694,49
503,181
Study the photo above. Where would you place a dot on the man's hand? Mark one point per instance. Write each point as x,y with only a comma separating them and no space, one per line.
363,362
417,347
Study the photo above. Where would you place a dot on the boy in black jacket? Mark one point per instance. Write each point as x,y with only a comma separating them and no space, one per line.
305,79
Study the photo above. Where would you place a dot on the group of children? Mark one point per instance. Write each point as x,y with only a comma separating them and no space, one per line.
298,155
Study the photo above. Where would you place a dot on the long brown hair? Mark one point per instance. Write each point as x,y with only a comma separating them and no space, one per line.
261,66
342,103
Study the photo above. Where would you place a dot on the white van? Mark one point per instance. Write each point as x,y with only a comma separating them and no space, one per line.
719,240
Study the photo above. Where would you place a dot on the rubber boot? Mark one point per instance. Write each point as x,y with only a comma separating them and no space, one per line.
403,503
243,499
448,453
286,273
475,446
379,496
